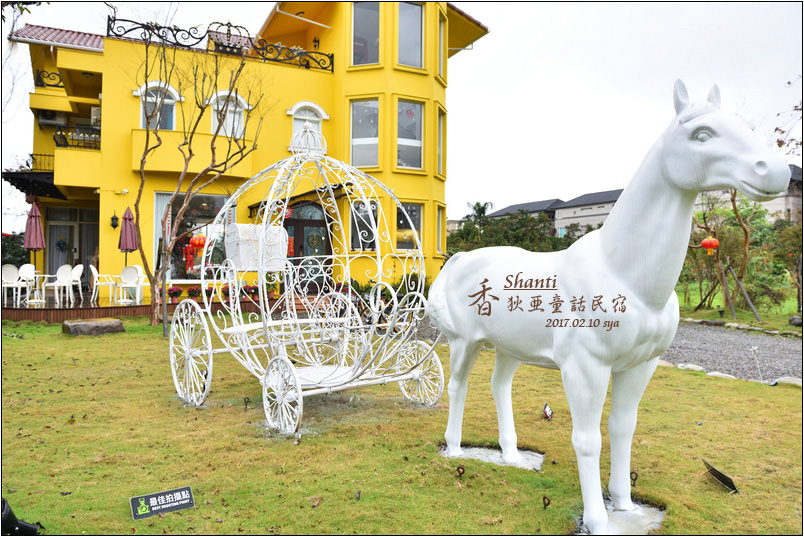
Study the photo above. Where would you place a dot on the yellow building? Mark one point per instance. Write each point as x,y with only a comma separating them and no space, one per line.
371,76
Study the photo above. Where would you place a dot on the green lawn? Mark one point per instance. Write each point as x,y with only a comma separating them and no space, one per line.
89,422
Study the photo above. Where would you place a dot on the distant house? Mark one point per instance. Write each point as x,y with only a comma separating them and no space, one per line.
785,207
588,209
788,206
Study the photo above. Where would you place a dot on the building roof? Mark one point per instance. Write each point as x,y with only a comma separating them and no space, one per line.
607,196
795,173
530,207
42,35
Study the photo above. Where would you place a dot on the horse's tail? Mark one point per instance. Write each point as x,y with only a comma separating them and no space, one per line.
437,306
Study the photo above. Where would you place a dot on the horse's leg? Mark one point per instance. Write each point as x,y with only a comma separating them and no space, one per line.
627,388
586,382
501,379
462,356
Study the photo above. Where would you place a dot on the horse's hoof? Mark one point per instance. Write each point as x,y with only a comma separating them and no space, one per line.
512,458
453,452
624,505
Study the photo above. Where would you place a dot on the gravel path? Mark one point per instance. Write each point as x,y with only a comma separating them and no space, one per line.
730,351
722,349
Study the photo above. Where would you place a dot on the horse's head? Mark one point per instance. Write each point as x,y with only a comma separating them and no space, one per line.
708,149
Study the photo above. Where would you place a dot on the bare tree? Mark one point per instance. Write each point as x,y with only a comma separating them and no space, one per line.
210,78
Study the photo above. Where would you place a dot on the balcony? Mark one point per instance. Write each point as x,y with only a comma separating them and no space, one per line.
78,137
223,39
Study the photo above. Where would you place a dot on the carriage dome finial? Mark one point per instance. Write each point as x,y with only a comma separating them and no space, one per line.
308,140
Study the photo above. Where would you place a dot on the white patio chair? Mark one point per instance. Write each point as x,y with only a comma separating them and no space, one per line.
64,282
100,280
129,280
11,280
28,280
75,279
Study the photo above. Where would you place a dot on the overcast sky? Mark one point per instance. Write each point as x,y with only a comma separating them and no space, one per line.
558,100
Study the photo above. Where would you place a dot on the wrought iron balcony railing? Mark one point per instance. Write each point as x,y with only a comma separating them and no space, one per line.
81,137
226,39
41,162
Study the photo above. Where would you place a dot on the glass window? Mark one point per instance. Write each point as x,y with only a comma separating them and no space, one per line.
158,107
410,34
366,33
365,116
442,24
440,229
306,114
405,237
440,149
409,134
228,112
184,261
364,225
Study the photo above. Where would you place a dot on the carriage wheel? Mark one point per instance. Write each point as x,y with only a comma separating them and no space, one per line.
282,396
427,383
190,353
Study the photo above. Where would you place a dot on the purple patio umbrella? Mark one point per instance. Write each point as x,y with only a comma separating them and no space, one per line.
34,238
128,235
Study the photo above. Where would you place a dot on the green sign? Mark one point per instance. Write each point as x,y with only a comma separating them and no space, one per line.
161,502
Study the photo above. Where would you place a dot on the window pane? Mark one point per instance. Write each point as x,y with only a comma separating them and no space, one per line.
304,116
410,34
409,134
440,148
441,24
231,113
164,117
366,38
365,115
440,229
406,224
364,226
185,262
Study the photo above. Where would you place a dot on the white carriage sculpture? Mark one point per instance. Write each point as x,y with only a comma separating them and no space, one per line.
322,234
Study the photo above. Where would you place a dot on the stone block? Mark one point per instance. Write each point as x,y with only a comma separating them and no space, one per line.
690,367
789,380
720,375
92,327
709,322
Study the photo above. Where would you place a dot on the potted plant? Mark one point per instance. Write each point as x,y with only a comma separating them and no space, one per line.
225,290
251,291
174,293
209,292
194,292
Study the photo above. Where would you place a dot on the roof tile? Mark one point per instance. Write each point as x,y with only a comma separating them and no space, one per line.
69,38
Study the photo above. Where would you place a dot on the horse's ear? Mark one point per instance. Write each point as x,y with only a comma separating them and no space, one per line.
680,98
714,96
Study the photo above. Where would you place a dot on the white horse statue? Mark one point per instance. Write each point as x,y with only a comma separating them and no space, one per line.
605,307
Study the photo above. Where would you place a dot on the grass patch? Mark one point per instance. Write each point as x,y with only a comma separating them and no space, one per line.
368,462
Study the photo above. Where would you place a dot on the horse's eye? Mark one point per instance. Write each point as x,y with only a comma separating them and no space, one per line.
702,134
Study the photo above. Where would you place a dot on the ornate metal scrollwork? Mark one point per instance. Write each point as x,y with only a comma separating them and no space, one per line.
225,38
47,79
151,31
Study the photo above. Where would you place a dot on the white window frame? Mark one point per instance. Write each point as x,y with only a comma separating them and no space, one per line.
240,108
301,112
441,127
440,211
158,85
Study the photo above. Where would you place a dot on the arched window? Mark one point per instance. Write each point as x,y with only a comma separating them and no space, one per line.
157,105
306,112
228,111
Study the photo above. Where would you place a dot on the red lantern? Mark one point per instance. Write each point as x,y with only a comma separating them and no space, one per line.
198,241
710,243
